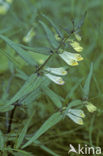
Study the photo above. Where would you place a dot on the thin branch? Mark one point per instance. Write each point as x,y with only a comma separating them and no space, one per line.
11,119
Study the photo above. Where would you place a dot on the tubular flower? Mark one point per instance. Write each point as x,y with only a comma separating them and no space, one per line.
71,58
91,108
57,71
76,46
76,115
77,112
56,79
29,36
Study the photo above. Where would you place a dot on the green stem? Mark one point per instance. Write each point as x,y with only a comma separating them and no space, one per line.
62,41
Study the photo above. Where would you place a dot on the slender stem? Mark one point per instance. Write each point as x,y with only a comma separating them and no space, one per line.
11,119
43,63
7,119
10,123
63,39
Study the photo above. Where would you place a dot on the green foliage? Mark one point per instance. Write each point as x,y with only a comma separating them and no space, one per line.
32,83
1,141
86,88
54,119
23,132
53,96
19,50
50,35
32,106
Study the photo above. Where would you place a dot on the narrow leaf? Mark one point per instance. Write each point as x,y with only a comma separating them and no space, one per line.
54,25
32,83
25,55
70,94
87,83
20,152
53,96
45,148
54,119
23,132
81,21
5,108
41,50
50,35
1,141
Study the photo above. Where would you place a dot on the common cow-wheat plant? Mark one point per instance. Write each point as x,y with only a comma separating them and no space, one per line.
40,57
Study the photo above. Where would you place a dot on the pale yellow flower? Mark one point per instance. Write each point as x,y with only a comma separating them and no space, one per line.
56,79
76,46
57,71
77,112
91,108
29,36
71,58
76,115
76,119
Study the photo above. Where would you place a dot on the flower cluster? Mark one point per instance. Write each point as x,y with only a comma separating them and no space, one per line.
4,6
71,59
57,71
77,115
55,75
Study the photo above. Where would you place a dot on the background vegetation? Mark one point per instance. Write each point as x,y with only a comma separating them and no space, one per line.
33,106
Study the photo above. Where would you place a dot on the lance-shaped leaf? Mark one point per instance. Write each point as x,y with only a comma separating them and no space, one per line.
53,96
17,152
50,35
54,25
41,50
1,141
45,148
5,108
81,21
35,94
87,83
24,54
21,74
71,92
23,132
9,28
31,84
54,119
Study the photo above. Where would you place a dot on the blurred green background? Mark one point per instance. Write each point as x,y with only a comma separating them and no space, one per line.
19,19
